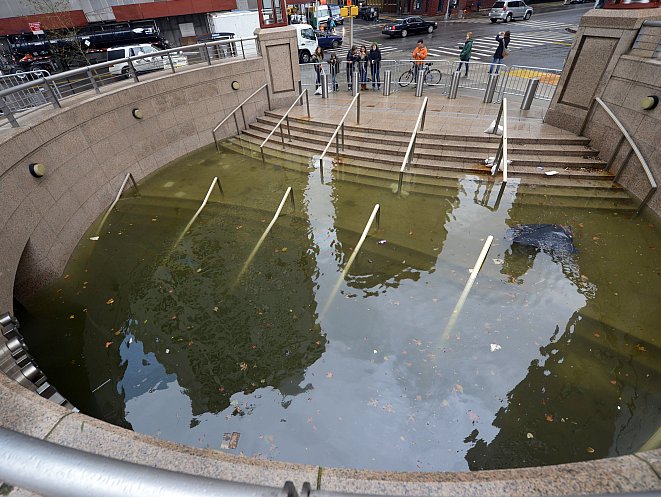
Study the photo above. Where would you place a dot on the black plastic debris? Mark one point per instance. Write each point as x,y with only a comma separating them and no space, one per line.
548,237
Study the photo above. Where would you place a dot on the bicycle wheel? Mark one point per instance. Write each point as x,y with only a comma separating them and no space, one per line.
406,79
433,77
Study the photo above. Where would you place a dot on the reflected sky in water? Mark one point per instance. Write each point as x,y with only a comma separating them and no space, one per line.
553,359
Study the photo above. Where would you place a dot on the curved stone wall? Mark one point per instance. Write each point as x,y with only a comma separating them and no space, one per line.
87,148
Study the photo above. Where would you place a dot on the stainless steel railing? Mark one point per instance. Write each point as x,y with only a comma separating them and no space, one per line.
634,150
336,134
57,87
128,177
214,182
501,154
286,117
240,107
408,156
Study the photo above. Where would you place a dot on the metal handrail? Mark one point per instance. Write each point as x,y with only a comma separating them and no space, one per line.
114,202
240,106
335,133
286,116
214,182
469,284
289,193
375,216
634,149
87,70
501,153
409,151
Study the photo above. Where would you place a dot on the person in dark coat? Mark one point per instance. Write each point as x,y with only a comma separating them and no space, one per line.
351,59
374,57
318,59
362,67
503,40
334,66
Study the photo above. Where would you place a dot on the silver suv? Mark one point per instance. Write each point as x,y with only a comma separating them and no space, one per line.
508,10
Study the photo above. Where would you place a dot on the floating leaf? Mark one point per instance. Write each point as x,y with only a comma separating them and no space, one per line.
94,238
589,450
243,366
549,418
495,346
110,301
108,344
72,316
529,435
329,375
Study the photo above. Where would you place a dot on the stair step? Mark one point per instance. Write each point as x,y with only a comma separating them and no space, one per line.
482,137
445,160
366,141
563,192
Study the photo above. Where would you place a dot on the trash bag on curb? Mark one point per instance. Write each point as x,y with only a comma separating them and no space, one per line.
548,237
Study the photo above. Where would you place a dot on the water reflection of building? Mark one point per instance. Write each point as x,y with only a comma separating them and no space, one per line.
408,243
189,326
593,392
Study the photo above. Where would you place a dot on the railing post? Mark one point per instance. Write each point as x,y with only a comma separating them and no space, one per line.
133,71
623,166
420,82
454,85
207,54
587,118
497,122
354,89
300,90
51,93
268,97
171,63
307,101
8,113
288,130
358,110
612,158
282,136
424,115
387,77
529,95
324,85
242,49
342,131
236,121
93,81
337,145
491,88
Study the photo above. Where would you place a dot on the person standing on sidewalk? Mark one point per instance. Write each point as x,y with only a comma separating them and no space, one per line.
503,39
419,56
465,55
334,66
362,65
318,59
351,58
375,65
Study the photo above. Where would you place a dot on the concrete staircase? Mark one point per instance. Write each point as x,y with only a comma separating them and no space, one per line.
375,155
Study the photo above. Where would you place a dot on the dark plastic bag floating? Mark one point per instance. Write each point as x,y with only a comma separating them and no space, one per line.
548,237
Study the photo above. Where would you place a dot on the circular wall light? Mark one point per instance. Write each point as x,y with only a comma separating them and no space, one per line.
649,102
37,169
137,113
235,85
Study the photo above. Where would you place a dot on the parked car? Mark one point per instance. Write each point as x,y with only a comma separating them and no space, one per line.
327,40
368,13
510,9
144,64
409,25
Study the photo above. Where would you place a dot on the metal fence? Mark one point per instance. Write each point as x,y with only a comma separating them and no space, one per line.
512,80
40,88
24,99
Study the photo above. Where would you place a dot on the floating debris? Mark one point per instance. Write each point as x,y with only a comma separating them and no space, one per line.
230,440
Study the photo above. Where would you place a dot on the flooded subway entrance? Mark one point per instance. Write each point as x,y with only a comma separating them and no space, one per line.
554,358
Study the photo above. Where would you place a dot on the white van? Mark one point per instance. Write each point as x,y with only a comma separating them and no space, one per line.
145,64
307,42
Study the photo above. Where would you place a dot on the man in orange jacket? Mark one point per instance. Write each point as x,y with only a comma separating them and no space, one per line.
419,56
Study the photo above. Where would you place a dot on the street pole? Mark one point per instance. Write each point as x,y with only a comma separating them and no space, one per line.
350,30
447,10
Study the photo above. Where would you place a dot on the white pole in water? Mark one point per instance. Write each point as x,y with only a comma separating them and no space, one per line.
467,288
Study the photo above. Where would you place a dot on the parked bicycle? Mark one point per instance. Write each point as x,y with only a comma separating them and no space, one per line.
432,76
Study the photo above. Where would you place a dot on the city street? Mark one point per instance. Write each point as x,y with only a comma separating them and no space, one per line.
543,41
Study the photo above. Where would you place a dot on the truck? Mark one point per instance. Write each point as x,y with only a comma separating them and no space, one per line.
242,24
56,51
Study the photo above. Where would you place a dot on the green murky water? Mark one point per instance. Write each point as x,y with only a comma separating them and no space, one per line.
553,359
